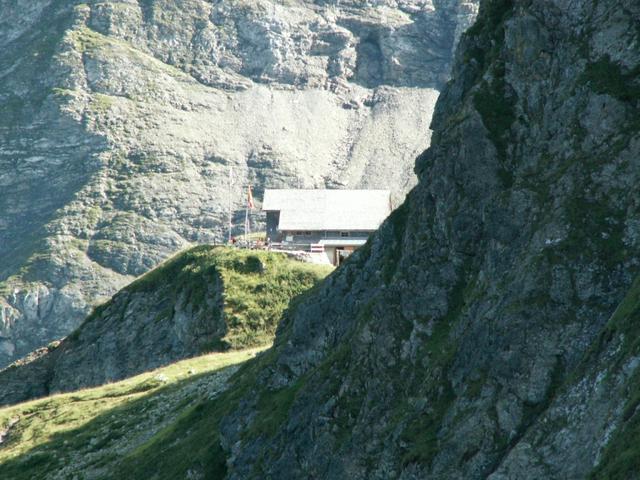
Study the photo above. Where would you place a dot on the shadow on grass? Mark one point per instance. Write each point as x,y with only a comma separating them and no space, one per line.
187,447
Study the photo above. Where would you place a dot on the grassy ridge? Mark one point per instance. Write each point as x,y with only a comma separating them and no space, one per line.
257,287
162,424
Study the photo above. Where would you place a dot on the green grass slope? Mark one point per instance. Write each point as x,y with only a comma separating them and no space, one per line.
257,286
88,433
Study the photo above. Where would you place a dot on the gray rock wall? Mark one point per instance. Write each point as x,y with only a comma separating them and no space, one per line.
472,338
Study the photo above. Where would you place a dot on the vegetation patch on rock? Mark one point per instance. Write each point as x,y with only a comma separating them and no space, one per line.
257,287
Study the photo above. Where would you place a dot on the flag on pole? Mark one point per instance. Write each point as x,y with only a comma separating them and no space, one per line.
250,203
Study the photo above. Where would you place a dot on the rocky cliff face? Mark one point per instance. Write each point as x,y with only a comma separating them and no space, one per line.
120,121
202,300
488,329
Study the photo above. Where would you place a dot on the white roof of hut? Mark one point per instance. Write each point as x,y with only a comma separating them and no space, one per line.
343,210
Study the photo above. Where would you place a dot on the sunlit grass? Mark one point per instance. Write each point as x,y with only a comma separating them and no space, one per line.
86,428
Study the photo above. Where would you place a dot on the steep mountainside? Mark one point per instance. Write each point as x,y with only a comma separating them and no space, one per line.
489,330
120,120
205,299
483,333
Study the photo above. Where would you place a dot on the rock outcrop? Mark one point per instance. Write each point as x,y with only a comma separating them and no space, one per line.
202,300
489,329
121,119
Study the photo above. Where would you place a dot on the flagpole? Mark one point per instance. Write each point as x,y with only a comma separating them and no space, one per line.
247,218
249,221
230,206
246,224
